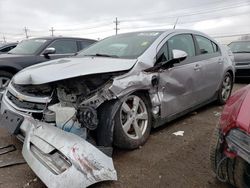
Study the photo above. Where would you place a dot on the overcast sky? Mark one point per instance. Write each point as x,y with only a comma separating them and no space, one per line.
94,18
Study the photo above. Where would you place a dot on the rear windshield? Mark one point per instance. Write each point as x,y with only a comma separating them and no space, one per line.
240,47
129,45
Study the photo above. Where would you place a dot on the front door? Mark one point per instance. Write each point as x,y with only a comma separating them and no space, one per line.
179,85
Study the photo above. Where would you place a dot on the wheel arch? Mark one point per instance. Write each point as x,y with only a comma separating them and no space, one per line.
10,69
106,125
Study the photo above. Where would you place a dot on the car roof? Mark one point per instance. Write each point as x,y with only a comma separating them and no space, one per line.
241,41
60,37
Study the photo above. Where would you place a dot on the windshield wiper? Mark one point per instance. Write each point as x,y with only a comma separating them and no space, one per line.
103,55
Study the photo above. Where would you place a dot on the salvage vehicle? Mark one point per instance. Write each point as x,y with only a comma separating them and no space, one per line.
6,47
230,143
241,51
71,112
37,50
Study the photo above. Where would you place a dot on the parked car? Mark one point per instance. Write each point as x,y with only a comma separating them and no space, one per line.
6,47
37,50
230,143
111,93
241,51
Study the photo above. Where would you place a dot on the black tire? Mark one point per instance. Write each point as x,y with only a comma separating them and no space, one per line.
7,75
220,99
234,171
216,155
241,173
121,139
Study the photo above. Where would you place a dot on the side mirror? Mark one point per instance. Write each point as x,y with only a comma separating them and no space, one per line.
48,51
179,55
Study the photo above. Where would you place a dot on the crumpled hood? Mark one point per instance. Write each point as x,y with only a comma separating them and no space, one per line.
61,69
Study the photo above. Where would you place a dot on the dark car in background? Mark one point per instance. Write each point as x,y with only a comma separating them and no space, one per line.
37,50
6,47
241,51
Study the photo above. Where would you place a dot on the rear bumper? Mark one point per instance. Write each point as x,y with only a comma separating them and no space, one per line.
82,163
242,71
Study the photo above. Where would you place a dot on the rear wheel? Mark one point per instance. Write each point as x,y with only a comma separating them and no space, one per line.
225,89
132,122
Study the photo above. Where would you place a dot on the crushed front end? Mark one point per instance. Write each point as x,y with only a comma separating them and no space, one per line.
57,123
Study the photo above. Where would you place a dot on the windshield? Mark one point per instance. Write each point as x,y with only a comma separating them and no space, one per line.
240,47
129,45
28,47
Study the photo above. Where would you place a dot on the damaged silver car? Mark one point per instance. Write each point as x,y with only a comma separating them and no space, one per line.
70,112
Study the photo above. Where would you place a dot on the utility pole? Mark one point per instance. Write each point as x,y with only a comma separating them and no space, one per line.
116,25
4,39
52,31
26,32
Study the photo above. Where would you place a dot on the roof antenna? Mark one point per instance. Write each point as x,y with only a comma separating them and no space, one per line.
176,22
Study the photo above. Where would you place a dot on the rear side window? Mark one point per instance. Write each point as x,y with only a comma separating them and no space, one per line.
182,42
64,46
205,45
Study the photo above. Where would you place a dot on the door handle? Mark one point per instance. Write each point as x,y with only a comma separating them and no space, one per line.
197,67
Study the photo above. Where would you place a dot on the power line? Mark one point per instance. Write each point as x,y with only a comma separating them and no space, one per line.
189,14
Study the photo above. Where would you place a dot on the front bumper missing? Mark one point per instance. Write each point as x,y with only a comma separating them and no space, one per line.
62,159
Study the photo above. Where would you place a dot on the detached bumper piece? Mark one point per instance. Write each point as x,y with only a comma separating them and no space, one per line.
239,142
62,159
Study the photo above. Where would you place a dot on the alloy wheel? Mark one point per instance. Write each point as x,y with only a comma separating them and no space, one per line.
134,117
226,88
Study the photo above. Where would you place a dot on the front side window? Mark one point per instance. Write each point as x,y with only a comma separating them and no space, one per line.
28,47
240,47
64,46
205,45
129,45
182,42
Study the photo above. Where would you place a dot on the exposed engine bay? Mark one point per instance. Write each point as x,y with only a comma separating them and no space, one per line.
72,104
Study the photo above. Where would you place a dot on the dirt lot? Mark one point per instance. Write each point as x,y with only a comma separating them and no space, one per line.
165,160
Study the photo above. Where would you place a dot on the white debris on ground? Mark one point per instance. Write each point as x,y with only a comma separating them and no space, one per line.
217,114
179,133
28,184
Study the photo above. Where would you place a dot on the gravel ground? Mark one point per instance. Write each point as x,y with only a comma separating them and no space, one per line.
165,160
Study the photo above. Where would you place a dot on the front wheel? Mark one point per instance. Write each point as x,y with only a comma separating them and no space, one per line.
225,89
132,122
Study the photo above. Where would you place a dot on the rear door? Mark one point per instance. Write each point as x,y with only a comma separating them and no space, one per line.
210,57
179,85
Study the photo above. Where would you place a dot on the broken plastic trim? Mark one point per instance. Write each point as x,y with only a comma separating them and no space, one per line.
88,164
239,142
